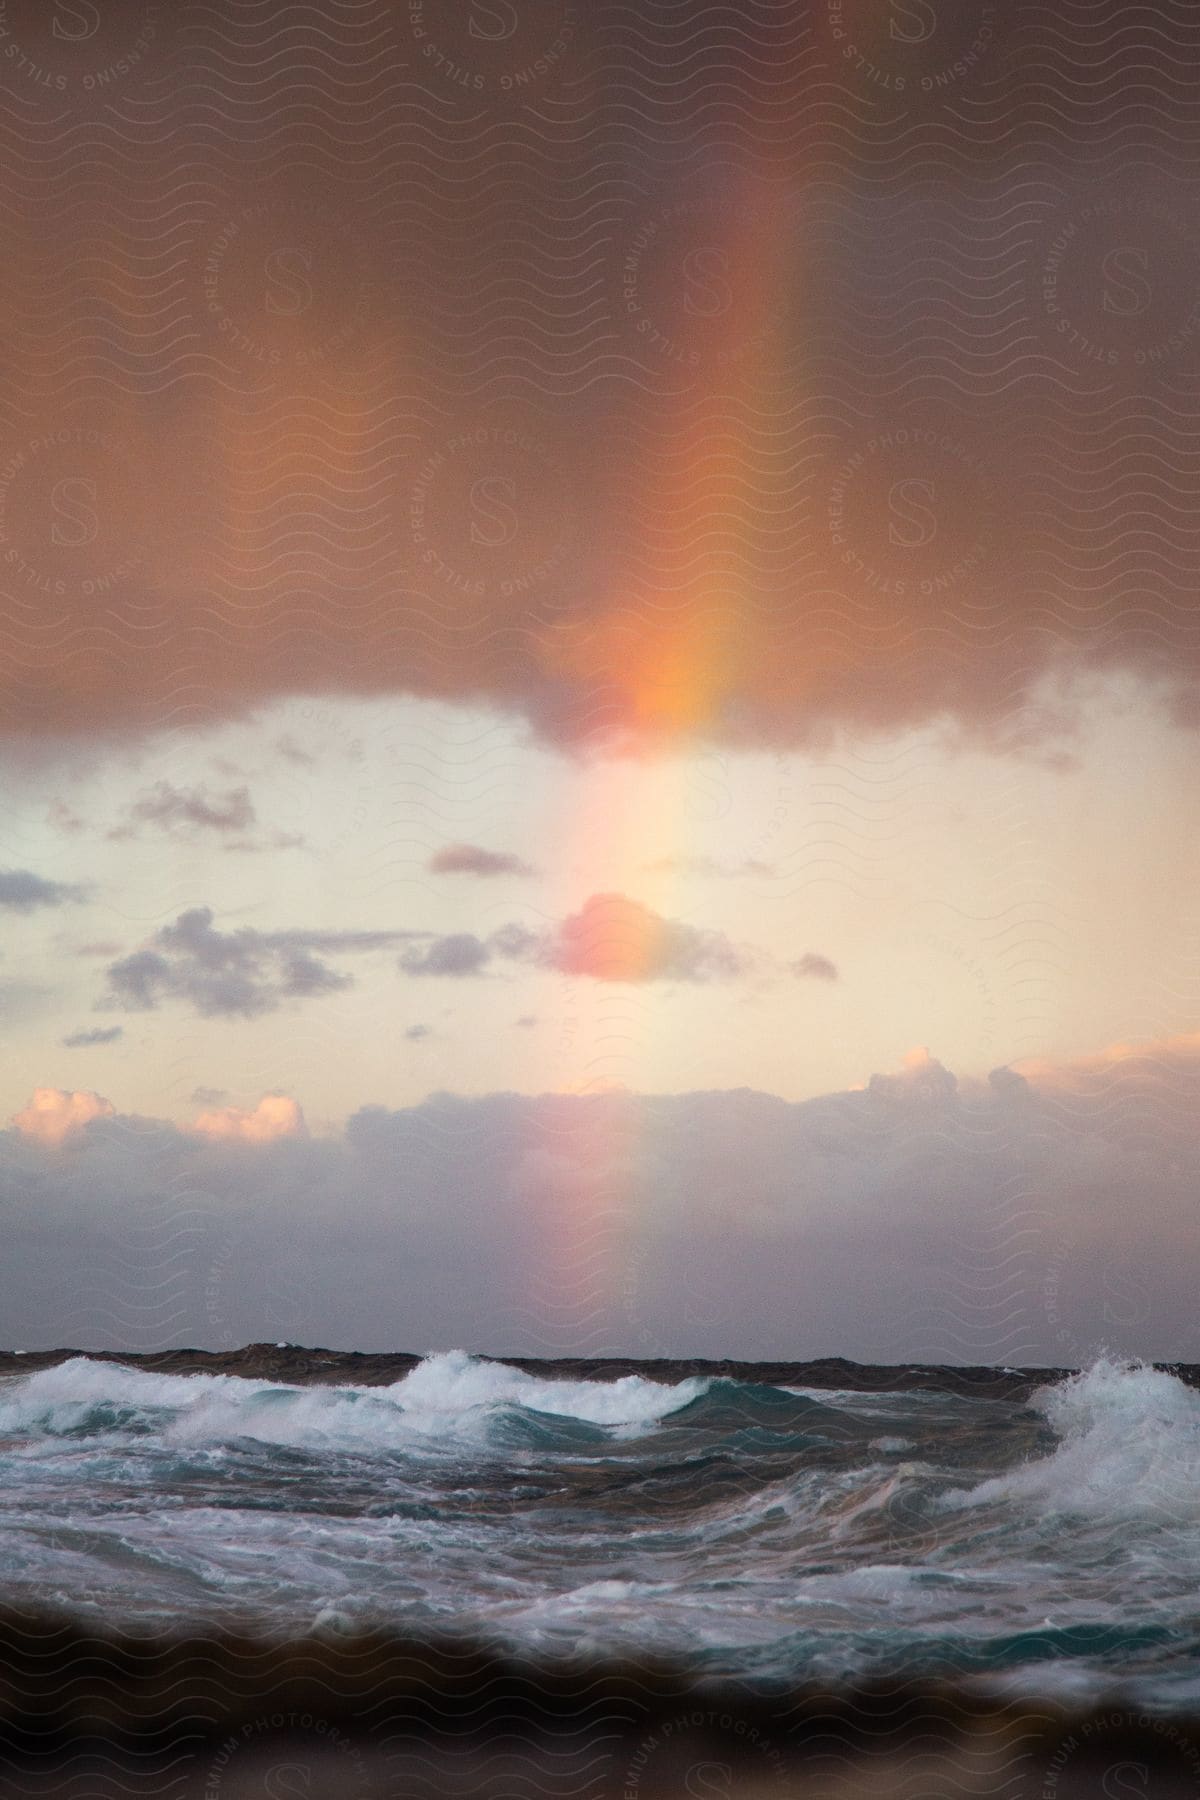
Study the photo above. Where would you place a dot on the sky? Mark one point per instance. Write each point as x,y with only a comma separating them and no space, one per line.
599,679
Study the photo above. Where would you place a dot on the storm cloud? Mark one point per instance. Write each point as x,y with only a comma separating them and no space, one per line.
891,520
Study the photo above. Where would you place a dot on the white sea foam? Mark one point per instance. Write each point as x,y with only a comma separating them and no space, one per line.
445,1396
450,1384
1130,1447
474,1493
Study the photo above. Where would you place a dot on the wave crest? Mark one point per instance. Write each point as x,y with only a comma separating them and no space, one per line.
1129,1447
449,1395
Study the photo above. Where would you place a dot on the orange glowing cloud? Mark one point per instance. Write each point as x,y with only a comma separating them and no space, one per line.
741,498
53,1114
614,938
1160,1057
275,1116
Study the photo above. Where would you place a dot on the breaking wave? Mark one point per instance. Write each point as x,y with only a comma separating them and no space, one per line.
767,1532
452,1394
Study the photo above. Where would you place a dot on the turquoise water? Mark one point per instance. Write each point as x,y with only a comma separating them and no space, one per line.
767,1534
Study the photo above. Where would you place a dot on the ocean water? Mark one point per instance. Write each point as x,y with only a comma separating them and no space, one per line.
1048,1547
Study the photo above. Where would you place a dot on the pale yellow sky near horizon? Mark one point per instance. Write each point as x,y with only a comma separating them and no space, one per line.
991,907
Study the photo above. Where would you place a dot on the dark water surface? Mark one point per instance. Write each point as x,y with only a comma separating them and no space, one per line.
1033,1534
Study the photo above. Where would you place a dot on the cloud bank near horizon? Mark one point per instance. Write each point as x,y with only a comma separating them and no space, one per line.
1037,1215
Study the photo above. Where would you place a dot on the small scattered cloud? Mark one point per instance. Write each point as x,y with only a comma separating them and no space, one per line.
469,859
209,1096
86,1040
188,810
245,973
614,938
276,1116
527,1021
53,1114
416,1032
24,892
457,954
610,938
812,967
194,813
235,974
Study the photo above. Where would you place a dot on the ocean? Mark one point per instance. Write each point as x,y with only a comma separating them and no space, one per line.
1043,1544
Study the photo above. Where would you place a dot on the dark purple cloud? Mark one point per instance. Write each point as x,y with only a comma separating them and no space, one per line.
459,953
24,892
235,974
86,1040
